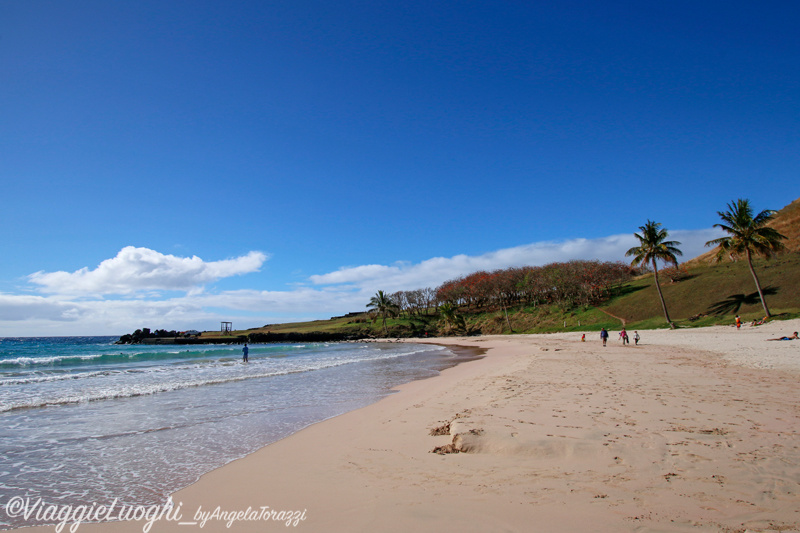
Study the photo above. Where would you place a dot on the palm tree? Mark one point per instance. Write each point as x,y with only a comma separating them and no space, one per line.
652,247
448,312
383,305
748,236
450,318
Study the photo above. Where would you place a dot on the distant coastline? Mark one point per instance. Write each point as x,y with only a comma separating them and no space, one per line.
268,337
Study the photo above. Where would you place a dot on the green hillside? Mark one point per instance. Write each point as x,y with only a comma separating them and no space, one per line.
702,292
714,294
708,295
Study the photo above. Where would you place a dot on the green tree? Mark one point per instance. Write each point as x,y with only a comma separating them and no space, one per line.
653,246
747,236
382,305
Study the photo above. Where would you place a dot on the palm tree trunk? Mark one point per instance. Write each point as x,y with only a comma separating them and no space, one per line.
758,284
661,296
508,322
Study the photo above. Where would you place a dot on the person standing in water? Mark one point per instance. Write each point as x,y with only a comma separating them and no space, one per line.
245,351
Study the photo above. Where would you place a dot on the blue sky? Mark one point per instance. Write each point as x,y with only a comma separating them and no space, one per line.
173,164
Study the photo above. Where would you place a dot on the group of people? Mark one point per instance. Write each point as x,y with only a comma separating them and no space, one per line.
791,337
623,335
738,321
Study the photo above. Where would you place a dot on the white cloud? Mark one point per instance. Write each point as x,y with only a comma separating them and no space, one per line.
142,269
433,272
18,308
78,302
693,242
351,274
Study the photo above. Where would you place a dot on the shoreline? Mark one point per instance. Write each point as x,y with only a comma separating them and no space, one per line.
569,435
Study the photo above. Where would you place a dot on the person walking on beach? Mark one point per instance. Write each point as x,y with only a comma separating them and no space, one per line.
245,351
636,338
603,335
738,322
624,336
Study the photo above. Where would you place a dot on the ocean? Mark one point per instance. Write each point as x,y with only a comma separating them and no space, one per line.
84,421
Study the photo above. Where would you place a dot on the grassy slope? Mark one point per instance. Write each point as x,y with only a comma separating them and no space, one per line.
403,326
727,288
717,293
332,325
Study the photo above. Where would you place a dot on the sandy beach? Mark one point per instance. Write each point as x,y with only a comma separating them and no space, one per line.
692,430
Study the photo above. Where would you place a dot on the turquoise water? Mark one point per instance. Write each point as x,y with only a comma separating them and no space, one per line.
85,421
